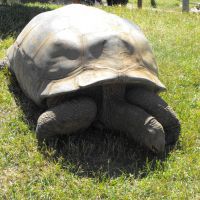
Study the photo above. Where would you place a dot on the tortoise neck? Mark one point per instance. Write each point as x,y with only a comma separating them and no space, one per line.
113,92
112,95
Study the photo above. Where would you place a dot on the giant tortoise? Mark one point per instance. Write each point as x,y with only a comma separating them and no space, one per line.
88,66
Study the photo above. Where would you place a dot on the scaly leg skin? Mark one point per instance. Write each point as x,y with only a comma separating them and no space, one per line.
159,109
137,124
66,118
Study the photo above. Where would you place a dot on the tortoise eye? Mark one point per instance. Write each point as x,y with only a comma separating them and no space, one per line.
97,49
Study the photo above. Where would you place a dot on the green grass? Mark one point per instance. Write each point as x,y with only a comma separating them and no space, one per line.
99,165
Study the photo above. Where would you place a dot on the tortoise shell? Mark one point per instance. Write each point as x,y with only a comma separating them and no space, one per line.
77,46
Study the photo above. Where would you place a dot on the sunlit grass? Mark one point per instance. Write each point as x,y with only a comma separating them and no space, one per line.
27,172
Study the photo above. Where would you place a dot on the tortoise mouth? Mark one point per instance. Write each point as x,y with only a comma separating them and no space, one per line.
90,77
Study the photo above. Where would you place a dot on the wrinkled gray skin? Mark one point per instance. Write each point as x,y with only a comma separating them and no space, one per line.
92,69
141,114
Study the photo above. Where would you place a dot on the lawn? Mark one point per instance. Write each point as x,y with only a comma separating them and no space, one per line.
100,164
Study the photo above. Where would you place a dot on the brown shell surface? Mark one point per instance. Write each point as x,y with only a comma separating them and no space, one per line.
77,46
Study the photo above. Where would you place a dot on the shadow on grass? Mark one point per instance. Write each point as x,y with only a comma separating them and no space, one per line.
13,18
94,153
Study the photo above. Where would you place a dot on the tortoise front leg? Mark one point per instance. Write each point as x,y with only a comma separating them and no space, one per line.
66,118
158,108
137,124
